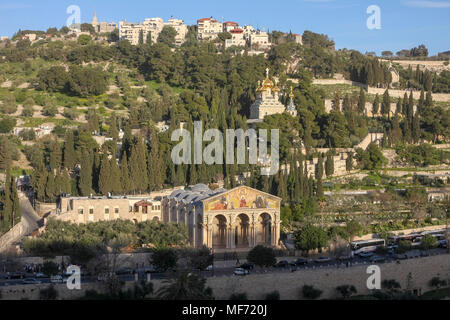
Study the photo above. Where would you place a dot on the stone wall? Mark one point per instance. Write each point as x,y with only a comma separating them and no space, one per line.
287,283
11,236
43,209
327,279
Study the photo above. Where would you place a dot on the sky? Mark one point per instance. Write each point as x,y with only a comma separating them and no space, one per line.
404,24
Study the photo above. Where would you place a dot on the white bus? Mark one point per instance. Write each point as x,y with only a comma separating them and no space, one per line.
366,245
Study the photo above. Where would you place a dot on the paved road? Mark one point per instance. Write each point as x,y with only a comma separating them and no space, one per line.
228,270
30,219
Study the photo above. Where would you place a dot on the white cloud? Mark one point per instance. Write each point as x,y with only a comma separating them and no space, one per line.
428,4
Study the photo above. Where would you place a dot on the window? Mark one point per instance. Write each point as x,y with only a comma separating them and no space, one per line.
80,211
144,210
116,210
106,210
91,210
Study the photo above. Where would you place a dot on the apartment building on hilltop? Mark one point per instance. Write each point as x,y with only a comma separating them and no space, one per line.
151,27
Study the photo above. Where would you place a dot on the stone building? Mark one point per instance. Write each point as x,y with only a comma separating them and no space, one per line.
267,100
208,28
180,28
237,219
259,40
151,27
93,209
102,27
237,38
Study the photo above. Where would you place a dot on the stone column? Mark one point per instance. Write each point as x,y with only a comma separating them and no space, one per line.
233,236
194,229
228,246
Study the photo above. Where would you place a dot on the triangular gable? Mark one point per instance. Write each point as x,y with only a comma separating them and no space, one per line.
241,197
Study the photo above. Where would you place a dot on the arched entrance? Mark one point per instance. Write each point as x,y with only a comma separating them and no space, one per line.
264,235
242,231
219,236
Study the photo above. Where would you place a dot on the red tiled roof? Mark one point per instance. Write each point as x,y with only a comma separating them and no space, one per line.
231,23
236,31
143,203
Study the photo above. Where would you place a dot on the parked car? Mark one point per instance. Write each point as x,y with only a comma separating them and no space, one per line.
413,254
240,272
56,279
400,256
282,264
322,259
442,244
104,276
209,268
300,262
247,266
16,275
31,281
366,254
345,258
40,275
377,259
124,271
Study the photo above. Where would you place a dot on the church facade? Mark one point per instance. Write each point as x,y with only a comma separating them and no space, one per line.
224,220
268,100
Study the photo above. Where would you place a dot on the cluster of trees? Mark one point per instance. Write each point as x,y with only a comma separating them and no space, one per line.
420,51
77,81
84,242
421,155
369,70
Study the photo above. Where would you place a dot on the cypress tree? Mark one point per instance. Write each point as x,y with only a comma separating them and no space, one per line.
349,162
386,104
69,150
405,104
320,166
104,179
50,187
125,175
362,101
329,165
113,132
85,178
375,106
7,212
16,213
429,100
65,182
421,102
115,180
416,128
156,164
55,156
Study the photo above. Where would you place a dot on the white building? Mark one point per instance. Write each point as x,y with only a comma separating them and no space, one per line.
180,28
208,29
260,40
151,27
237,38
230,25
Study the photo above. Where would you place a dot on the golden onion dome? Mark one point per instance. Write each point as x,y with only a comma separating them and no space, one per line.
275,88
291,95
